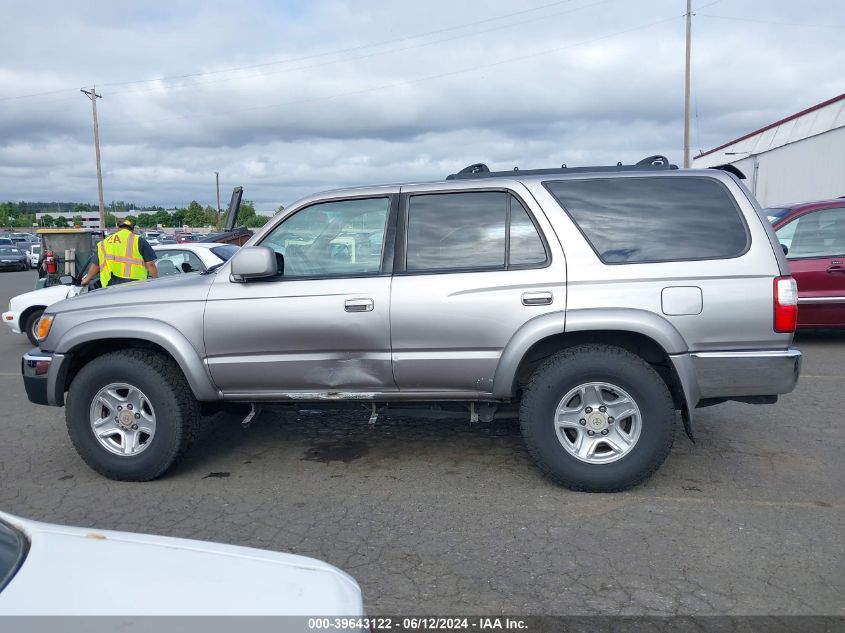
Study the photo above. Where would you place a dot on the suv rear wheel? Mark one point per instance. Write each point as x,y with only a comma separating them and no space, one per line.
597,418
131,414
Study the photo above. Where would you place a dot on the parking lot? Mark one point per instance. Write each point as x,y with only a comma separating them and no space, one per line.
436,516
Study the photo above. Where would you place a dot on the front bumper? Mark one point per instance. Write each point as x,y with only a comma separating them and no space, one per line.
737,375
43,377
12,318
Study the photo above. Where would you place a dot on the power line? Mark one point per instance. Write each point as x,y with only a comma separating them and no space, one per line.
343,50
303,58
397,84
379,53
796,24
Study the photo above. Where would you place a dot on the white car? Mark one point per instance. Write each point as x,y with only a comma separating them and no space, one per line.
50,570
173,259
34,254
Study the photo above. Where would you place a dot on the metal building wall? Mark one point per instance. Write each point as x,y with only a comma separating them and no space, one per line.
810,169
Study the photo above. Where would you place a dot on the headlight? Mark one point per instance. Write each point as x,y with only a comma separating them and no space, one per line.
43,327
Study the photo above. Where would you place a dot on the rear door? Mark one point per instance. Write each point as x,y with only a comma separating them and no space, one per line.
816,243
472,267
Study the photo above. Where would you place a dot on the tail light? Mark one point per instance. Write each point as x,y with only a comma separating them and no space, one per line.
50,261
786,304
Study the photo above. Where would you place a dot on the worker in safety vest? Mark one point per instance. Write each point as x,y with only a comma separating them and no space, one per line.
121,257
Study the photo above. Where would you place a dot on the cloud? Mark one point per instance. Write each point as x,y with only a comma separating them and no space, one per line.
577,82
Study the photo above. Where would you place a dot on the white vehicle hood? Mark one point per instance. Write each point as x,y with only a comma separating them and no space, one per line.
82,571
42,297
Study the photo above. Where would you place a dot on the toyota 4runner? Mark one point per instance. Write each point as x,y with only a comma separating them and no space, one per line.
598,302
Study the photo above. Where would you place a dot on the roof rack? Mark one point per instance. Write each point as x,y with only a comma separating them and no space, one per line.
480,170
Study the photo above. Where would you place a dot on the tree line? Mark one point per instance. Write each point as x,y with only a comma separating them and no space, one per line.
64,214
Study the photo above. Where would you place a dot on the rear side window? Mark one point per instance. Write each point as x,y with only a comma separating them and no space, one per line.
471,230
638,220
526,247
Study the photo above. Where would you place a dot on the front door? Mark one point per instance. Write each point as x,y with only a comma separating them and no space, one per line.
816,244
321,329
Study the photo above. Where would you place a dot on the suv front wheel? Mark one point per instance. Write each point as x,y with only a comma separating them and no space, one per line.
597,418
131,414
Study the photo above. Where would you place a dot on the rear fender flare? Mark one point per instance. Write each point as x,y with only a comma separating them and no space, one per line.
642,322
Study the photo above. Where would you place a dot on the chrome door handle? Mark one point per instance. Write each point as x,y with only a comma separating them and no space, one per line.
836,270
537,298
358,305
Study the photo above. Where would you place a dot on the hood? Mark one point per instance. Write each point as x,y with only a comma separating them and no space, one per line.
83,571
42,297
186,287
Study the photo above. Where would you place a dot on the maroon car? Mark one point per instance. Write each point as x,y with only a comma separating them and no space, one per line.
814,236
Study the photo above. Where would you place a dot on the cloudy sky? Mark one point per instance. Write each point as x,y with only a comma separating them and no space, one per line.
291,97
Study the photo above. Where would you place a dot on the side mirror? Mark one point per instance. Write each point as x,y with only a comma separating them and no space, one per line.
785,249
253,262
66,280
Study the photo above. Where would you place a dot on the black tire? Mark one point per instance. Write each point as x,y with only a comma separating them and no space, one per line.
29,325
597,363
177,413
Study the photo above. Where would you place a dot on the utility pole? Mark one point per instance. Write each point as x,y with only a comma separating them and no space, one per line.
93,96
686,86
217,180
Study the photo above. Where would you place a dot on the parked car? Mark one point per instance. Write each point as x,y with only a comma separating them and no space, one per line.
600,300
25,309
91,572
34,252
6,241
191,257
814,236
13,258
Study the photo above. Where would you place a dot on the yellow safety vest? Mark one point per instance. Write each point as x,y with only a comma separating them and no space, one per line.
120,255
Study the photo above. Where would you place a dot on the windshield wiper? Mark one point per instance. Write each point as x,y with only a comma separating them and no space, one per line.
213,268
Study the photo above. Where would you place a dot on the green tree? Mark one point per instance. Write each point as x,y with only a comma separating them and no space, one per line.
280,209
111,220
47,220
145,220
162,217
210,216
246,214
61,222
77,220
195,215
7,210
178,217
259,220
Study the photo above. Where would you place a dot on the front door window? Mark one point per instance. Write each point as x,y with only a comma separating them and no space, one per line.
332,239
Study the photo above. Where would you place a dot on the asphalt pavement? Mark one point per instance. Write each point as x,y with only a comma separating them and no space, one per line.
436,516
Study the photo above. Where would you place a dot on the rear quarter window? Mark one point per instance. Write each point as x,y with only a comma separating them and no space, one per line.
641,220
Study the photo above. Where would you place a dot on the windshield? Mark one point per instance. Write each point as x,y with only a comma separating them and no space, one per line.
13,546
5,250
225,251
776,213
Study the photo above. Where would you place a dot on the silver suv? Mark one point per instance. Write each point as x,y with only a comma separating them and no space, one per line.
594,303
